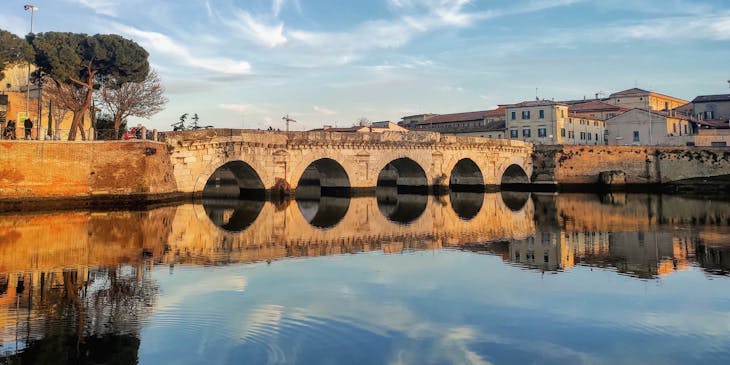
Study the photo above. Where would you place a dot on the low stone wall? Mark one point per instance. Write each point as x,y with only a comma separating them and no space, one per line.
34,170
568,165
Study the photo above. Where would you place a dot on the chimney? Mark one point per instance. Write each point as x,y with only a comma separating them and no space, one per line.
326,127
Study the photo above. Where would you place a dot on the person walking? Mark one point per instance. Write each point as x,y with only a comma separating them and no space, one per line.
28,126
10,130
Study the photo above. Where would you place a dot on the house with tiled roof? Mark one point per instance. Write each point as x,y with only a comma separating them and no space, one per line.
643,99
712,108
482,123
550,122
595,109
651,128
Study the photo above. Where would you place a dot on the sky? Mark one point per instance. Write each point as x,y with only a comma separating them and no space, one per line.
247,63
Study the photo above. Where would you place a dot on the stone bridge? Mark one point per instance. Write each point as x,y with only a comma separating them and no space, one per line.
288,162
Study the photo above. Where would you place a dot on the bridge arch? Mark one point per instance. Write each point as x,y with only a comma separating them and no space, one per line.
466,176
325,213
234,179
515,200
323,177
405,174
402,209
514,176
466,204
233,215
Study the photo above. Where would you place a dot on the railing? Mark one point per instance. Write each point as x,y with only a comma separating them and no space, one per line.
90,134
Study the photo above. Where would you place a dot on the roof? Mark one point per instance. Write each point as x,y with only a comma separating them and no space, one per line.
659,114
711,98
713,123
499,112
595,106
632,91
456,117
536,103
636,92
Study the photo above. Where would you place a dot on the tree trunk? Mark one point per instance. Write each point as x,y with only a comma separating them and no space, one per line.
76,124
117,124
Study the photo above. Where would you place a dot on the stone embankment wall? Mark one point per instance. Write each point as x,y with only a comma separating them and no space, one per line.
568,165
32,170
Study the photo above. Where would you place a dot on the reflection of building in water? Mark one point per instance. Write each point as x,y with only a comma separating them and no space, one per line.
99,311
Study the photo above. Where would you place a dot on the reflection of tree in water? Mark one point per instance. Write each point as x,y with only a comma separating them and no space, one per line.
86,319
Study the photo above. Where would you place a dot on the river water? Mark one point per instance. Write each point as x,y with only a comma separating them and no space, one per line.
466,278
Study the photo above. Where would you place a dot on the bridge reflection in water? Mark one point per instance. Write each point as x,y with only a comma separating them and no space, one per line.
91,271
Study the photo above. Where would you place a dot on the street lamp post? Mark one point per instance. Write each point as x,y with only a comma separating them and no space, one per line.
32,10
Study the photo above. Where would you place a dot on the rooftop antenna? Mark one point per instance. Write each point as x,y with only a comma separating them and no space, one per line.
728,83
287,120
536,97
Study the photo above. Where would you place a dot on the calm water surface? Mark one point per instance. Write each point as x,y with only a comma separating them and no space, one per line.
394,279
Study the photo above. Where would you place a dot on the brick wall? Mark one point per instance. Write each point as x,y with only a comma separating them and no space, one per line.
641,164
37,170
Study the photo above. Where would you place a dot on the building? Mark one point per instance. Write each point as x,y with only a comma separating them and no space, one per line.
650,128
482,123
595,109
712,108
14,100
377,127
550,122
643,99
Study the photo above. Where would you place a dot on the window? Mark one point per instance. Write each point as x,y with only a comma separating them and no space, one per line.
685,129
582,135
562,132
596,136
542,114
525,114
514,115
674,128
542,132
562,113
526,132
709,114
666,105
513,133
589,136
636,136
718,144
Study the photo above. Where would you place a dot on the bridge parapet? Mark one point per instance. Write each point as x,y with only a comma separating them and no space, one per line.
281,158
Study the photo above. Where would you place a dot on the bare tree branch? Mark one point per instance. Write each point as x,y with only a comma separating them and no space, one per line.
133,99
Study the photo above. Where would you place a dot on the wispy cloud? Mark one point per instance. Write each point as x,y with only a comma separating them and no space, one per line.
104,7
256,30
712,27
324,111
163,44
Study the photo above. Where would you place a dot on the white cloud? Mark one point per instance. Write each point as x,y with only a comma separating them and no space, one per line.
255,30
713,27
324,111
276,6
166,45
105,7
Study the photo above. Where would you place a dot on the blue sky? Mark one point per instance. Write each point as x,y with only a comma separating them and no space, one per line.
246,63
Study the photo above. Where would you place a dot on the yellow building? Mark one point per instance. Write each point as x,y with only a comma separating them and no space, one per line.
643,99
549,122
15,100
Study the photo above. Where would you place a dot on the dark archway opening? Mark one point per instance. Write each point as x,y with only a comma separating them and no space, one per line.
515,178
400,208
515,200
466,204
466,176
326,212
406,175
233,215
324,177
235,180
